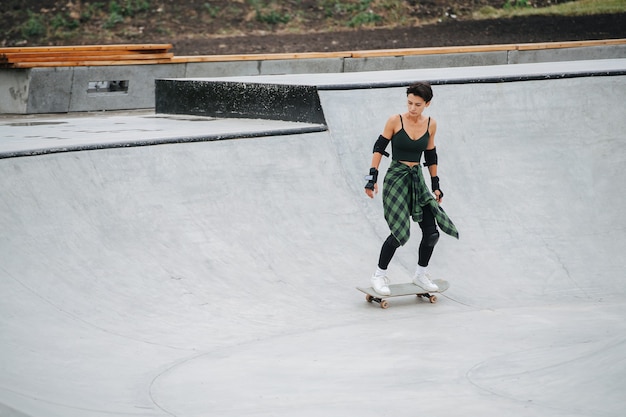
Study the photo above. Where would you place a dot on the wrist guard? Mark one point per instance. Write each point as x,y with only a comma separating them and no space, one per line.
435,184
371,179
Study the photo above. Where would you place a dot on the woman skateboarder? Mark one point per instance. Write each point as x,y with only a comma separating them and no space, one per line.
405,193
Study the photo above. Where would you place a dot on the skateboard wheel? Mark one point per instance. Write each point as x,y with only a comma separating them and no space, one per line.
384,304
369,298
433,299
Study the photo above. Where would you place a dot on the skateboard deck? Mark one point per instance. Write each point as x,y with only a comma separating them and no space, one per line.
398,290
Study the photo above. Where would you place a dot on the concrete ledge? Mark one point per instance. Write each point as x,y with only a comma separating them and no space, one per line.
384,63
257,106
51,134
566,54
140,92
296,103
294,97
64,89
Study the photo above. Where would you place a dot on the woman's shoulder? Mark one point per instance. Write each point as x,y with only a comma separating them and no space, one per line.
393,121
395,118
392,126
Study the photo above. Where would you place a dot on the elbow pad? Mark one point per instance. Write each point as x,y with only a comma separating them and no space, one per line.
381,145
430,157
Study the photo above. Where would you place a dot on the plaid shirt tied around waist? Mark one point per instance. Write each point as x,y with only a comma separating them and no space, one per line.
405,196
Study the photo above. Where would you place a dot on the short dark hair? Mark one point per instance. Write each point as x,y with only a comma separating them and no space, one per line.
421,89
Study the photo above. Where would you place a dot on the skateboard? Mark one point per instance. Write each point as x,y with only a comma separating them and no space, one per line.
398,290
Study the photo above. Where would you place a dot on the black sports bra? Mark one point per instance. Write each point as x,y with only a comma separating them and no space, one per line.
403,148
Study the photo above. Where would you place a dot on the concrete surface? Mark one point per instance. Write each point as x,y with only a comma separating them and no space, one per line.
296,97
463,75
51,134
61,90
217,278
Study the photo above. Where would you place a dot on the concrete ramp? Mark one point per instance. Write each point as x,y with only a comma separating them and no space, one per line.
532,175
217,277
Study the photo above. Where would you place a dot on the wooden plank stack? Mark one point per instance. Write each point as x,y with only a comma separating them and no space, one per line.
142,54
85,55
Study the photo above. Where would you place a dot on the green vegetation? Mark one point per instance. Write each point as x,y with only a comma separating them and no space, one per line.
212,10
269,13
363,15
119,20
129,8
516,3
571,8
118,11
34,27
354,13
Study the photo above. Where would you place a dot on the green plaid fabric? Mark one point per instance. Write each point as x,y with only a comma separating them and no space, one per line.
405,196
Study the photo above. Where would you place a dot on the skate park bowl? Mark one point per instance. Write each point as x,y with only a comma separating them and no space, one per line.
158,264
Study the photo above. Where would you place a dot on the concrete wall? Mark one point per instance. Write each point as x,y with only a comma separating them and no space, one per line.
14,90
298,103
64,89
296,97
566,54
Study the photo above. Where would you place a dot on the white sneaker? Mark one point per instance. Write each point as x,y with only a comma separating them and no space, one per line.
423,281
381,284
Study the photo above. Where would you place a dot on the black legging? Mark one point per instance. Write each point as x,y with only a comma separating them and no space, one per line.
428,227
